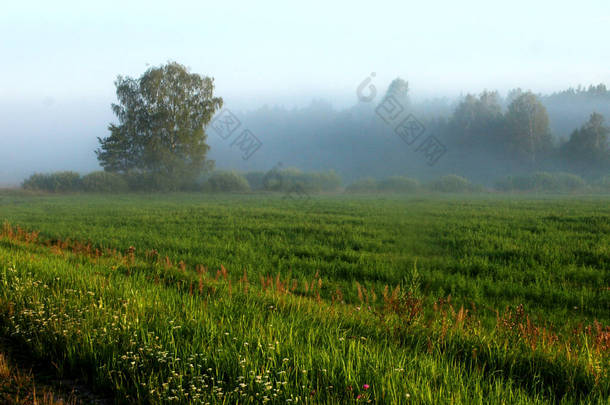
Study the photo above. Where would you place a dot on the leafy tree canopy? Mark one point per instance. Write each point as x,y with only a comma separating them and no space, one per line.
587,147
161,131
528,127
399,89
478,121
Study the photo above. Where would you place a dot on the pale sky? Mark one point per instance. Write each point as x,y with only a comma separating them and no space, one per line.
59,59
284,52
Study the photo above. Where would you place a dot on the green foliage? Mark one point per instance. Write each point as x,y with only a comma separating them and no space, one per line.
393,184
587,149
138,180
399,89
159,320
570,182
290,179
147,181
478,121
543,182
162,116
255,180
226,182
398,184
54,182
364,185
528,133
104,182
452,184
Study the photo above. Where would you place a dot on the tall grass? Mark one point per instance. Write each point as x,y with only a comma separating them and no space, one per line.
250,299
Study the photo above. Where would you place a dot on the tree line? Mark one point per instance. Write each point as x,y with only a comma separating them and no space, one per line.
487,136
160,140
522,133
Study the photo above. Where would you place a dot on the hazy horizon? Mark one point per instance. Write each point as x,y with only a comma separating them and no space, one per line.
60,61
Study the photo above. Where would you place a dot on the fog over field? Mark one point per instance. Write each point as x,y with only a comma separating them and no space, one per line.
320,202
291,75
53,135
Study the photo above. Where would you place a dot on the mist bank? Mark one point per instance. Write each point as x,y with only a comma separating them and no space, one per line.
355,142
362,141
50,134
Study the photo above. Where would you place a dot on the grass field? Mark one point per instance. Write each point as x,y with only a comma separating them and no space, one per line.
333,299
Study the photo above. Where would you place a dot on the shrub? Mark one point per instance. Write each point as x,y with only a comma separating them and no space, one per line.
291,178
452,184
226,182
542,181
570,182
364,185
37,181
398,184
141,181
158,181
104,182
54,182
255,180
325,181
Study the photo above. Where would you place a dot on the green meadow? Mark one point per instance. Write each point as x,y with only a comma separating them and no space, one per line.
259,298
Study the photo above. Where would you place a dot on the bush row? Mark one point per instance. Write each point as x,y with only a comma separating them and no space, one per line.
287,180
536,182
225,181
290,179
71,181
543,181
399,184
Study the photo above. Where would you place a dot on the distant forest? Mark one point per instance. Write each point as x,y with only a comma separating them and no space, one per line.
485,136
